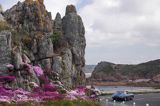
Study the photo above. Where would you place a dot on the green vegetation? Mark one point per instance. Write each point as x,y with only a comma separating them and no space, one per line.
4,26
56,103
55,37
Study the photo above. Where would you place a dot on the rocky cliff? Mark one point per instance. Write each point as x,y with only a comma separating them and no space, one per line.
111,72
29,37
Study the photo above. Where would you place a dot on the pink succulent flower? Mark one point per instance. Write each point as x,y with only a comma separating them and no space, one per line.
38,70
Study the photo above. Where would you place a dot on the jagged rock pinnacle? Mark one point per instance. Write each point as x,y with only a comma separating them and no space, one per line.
58,22
41,1
70,9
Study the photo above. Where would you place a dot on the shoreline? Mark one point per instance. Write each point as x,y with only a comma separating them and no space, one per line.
144,91
127,84
153,88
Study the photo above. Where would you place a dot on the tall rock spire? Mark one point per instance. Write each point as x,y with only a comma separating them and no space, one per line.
74,32
58,23
70,9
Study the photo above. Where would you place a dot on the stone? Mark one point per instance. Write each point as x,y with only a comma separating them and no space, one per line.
46,64
58,46
17,58
5,48
143,72
25,58
45,48
57,64
71,9
156,78
1,11
74,31
41,1
29,16
58,23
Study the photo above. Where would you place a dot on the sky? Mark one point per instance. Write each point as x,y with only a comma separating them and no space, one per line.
118,31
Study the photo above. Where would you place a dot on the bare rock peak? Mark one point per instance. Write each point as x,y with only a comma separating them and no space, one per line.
31,1
58,16
41,1
70,9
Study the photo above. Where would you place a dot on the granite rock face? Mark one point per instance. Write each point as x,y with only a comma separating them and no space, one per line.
74,34
1,11
71,46
5,47
58,46
30,16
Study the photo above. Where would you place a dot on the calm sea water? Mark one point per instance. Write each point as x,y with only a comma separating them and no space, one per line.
120,88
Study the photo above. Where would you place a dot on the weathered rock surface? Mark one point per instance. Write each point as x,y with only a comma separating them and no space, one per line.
105,71
30,16
74,31
1,10
57,46
5,47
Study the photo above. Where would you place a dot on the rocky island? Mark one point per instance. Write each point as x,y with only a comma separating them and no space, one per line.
41,58
144,74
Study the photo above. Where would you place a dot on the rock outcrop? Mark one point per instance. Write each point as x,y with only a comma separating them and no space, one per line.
58,46
74,34
71,46
30,16
5,48
111,72
1,11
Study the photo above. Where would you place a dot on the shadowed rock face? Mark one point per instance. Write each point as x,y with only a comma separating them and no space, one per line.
57,46
5,48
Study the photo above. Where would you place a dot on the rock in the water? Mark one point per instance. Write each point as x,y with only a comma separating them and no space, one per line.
5,48
111,72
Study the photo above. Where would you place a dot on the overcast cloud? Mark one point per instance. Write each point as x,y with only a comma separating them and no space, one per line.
120,31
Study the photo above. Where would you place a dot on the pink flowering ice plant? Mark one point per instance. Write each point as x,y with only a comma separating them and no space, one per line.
48,91
7,78
38,70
